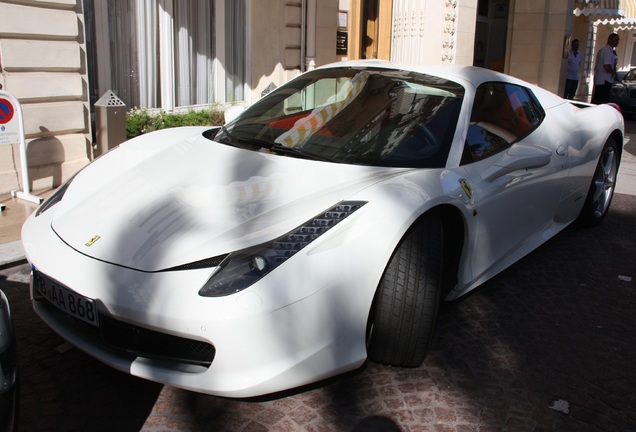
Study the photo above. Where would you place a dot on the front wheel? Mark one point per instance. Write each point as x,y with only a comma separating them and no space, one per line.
402,320
603,184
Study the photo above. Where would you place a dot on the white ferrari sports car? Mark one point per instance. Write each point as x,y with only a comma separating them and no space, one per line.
320,227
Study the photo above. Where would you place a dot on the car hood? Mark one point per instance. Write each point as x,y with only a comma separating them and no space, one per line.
175,197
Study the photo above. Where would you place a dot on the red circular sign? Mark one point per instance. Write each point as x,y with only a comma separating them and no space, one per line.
6,111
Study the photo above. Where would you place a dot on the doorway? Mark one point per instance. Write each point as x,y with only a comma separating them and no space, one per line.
370,29
491,34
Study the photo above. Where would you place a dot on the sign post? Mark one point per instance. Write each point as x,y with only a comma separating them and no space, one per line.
12,132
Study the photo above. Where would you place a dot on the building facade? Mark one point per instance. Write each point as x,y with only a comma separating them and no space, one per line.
59,56
43,64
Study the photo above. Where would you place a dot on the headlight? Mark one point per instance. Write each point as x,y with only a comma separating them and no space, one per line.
241,269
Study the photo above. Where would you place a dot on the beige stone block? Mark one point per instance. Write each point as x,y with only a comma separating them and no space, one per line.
55,117
527,53
554,42
47,173
529,6
56,149
8,182
48,3
39,86
466,20
45,151
467,8
559,8
557,22
292,58
528,21
326,42
525,71
522,37
293,14
325,55
551,70
40,55
292,37
45,177
71,167
7,152
465,46
326,13
22,20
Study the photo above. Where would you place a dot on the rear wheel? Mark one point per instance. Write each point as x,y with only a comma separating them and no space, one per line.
402,320
603,184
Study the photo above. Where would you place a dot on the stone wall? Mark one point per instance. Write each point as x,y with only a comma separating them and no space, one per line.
43,64
537,31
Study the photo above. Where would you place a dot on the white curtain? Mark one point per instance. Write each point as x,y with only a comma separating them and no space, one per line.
133,50
235,50
194,52
162,52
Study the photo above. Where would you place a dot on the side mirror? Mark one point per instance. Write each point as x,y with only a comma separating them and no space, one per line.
233,112
518,157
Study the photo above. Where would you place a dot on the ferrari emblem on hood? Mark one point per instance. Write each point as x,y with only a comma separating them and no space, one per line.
466,186
92,240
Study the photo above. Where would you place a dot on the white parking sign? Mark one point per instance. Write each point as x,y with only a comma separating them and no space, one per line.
9,128
12,132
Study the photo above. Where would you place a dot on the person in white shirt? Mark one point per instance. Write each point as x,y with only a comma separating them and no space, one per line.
605,70
572,72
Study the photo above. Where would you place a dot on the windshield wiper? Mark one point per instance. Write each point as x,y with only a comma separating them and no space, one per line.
296,152
225,137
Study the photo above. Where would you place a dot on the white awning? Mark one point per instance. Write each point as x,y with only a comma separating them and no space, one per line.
606,8
625,24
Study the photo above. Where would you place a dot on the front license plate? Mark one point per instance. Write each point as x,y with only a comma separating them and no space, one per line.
70,302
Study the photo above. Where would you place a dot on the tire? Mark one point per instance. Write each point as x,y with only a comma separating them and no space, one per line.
402,319
599,196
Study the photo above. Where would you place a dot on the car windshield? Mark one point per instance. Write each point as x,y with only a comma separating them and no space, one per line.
356,116
631,75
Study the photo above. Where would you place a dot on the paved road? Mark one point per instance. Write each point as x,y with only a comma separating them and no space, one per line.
549,345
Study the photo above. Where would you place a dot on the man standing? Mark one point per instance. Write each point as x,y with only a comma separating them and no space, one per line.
572,72
605,70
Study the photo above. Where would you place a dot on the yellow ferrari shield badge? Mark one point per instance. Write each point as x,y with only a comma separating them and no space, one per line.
92,240
466,186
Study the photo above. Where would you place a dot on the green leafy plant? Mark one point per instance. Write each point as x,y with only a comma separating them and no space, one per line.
141,121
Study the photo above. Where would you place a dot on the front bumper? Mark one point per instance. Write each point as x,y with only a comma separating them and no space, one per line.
262,340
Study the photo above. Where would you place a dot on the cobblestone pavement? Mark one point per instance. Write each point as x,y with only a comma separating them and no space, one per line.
548,345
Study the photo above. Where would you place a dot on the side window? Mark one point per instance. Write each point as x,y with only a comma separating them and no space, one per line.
502,114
